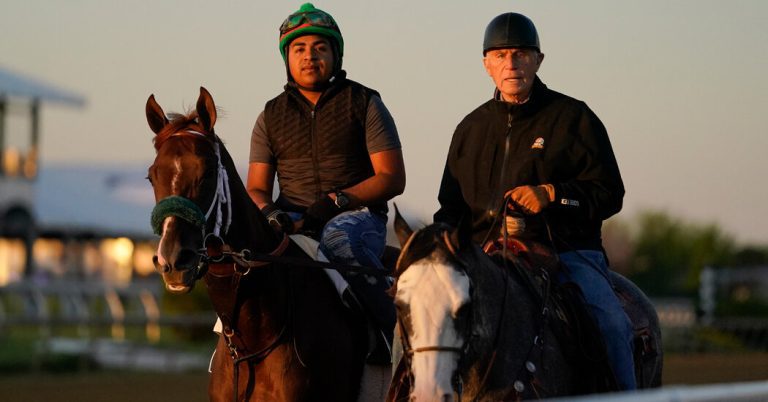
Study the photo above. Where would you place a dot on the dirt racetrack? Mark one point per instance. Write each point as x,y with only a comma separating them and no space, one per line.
191,387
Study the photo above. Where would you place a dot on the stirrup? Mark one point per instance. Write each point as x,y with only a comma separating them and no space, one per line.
349,300
381,353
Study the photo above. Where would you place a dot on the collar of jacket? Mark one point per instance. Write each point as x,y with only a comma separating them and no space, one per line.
331,87
534,101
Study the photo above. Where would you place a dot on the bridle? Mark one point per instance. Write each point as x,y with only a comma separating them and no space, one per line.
214,250
409,351
528,367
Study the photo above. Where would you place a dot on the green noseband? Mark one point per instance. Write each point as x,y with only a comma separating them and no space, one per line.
177,206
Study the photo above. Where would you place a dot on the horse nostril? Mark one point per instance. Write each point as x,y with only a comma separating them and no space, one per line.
158,267
187,258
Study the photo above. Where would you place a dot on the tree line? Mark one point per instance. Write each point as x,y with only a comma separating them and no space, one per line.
665,255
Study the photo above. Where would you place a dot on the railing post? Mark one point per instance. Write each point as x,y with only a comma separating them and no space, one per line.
152,313
707,295
117,312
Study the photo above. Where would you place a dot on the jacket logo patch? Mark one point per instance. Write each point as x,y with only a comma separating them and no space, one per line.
573,203
538,143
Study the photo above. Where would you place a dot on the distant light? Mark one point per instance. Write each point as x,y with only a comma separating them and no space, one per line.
122,250
142,258
118,256
12,260
11,162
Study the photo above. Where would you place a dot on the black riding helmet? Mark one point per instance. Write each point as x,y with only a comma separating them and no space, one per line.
510,30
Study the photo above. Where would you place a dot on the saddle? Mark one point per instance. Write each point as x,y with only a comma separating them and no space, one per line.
569,319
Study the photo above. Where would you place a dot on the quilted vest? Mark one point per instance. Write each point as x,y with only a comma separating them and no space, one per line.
322,148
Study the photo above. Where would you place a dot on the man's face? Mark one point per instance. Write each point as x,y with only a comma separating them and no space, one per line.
310,60
513,71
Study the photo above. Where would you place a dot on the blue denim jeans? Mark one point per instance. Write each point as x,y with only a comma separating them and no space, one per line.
358,238
589,270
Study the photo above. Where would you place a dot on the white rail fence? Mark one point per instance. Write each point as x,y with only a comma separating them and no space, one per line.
735,392
89,305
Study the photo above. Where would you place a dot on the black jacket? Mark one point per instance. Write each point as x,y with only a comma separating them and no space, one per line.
552,139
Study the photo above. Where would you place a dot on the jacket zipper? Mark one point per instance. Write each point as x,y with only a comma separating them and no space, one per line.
315,159
494,204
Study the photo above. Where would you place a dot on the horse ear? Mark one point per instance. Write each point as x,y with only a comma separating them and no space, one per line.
155,115
402,229
206,110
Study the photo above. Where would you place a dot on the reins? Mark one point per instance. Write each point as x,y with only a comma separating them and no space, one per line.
249,259
215,251
538,340
527,365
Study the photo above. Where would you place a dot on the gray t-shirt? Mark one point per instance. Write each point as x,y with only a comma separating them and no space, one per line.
380,133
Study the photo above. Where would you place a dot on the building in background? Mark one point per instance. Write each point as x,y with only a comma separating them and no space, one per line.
82,223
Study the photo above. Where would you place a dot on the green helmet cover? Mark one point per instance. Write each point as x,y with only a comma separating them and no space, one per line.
308,20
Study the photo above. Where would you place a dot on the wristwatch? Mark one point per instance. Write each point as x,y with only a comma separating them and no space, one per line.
342,201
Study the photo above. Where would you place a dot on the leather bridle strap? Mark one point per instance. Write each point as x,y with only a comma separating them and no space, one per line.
257,358
243,258
453,349
263,259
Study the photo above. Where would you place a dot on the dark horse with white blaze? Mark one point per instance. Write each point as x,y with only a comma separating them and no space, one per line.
472,330
285,335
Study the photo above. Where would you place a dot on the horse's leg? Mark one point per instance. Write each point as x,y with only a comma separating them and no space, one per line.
220,384
648,358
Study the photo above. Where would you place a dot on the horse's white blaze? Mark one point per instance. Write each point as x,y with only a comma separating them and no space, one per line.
434,291
176,176
161,260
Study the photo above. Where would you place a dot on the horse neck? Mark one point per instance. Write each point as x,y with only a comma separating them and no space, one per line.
502,303
249,228
255,305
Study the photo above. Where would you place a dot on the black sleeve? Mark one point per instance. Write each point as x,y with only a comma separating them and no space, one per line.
596,192
452,205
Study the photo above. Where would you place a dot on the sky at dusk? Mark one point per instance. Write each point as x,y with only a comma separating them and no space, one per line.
680,85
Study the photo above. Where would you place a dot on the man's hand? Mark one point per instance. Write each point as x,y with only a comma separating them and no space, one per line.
318,214
278,219
531,199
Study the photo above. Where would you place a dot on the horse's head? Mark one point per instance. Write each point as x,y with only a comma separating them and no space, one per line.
432,295
184,177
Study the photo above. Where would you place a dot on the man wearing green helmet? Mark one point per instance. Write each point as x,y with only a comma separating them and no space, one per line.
549,156
336,152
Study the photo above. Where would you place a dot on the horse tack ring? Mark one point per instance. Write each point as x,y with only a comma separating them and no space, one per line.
530,366
519,386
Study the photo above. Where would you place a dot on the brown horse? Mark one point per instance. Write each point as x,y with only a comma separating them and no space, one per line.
286,335
472,330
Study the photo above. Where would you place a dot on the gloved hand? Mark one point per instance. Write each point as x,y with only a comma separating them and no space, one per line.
318,214
514,225
531,199
278,219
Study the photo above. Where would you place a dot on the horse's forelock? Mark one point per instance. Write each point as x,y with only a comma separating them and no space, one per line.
423,243
179,122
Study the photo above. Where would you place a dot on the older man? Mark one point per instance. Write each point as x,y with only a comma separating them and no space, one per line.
550,156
